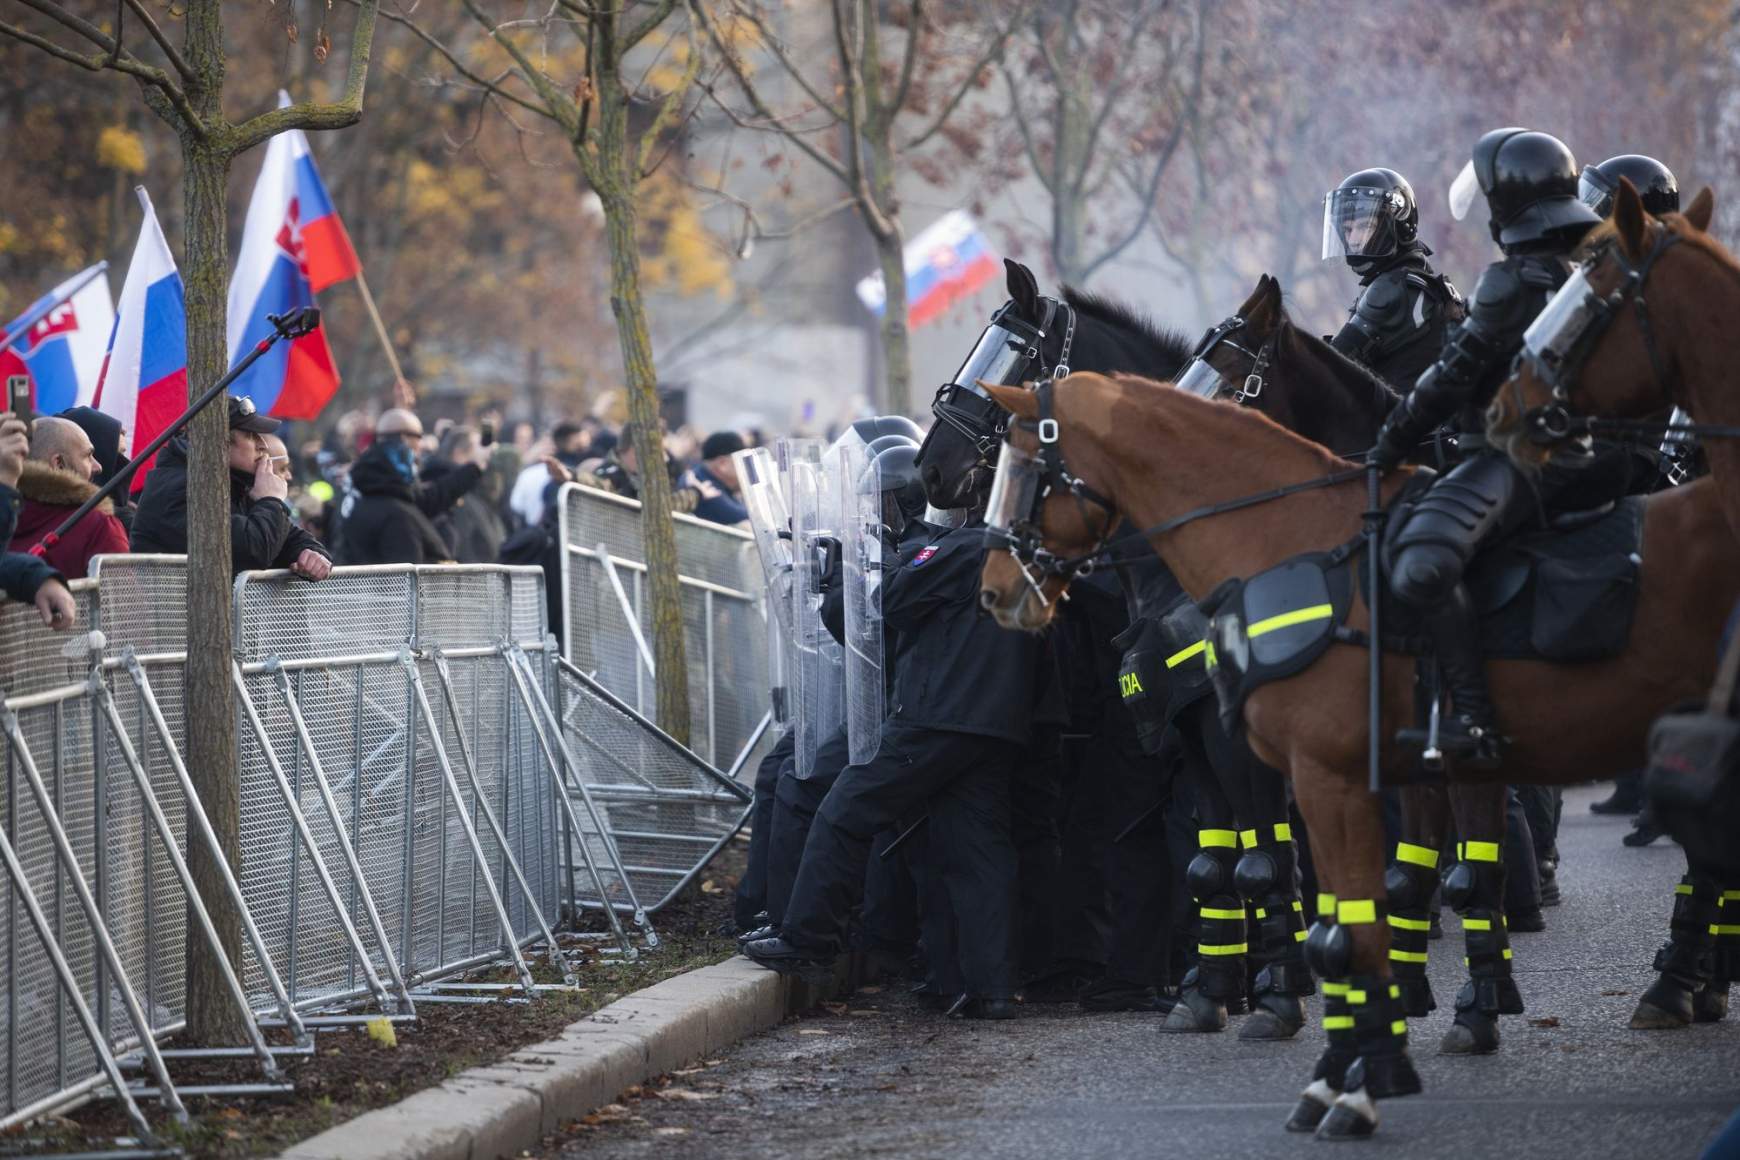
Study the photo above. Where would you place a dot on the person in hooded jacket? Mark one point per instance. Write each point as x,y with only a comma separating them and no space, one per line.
389,516
263,529
107,438
55,481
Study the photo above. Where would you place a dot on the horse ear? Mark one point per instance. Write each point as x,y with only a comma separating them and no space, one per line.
1262,308
1023,286
1018,401
1630,220
1701,209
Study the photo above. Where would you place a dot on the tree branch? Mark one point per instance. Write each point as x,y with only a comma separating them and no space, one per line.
1146,192
783,56
993,52
312,115
1028,141
560,107
114,58
644,29
670,106
852,76
157,34
459,66
914,19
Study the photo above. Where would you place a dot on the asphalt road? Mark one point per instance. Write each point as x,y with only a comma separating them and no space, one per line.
879,1078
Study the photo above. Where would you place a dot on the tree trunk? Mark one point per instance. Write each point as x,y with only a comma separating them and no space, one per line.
896,333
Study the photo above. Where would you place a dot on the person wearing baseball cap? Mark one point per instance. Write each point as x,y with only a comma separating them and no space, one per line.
715,477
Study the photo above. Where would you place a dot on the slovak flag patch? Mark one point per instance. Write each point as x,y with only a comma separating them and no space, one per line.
924,554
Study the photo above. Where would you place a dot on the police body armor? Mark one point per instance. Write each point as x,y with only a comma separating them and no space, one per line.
1401,320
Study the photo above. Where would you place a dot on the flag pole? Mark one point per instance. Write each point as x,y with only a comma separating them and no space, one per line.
362,284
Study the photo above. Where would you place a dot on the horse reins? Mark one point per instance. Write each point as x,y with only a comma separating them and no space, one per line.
1033,355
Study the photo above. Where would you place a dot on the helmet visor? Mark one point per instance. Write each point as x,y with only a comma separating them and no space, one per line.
1595,191
1200,379
1013,489
1462,191
1359,223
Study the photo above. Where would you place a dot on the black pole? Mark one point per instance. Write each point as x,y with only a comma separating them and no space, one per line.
1374,521
293,324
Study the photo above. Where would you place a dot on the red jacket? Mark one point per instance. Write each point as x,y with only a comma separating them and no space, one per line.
51,496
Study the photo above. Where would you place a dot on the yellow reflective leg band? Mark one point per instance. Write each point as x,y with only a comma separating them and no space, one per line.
1353,911
1683,888
1395,991
1284,833
1479,851
1355,998
1401,923
1399,1027
1335,988
1326,906
1477,924
1731,896
1185,654
1217,839
1406,956
1725,929
1289,619
1247,838
1338,1023
1300,936
1226,949
1217,912
1416,855
1507,953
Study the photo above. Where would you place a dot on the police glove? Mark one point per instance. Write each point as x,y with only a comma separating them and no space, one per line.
1392,447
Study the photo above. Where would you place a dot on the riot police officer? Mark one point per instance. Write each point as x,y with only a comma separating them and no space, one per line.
1405,307
1653,180
1530,183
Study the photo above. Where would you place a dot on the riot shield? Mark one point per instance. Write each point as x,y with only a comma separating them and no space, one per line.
860,504
770,521
816,668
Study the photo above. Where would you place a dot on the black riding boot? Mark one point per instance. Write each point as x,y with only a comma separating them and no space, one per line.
1469,731
1687,961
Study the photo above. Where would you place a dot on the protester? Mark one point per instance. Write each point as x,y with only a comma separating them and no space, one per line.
263,529
715,478
473,528
24,578
570,445
107,437
56,480
620,473
389,516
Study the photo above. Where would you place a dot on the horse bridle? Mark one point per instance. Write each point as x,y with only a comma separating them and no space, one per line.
985,438
1221,335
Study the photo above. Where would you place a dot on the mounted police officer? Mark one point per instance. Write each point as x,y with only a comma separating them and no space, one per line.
1530,183
1655,181
1405,307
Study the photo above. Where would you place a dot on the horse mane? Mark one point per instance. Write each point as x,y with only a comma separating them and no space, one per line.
1353,373
1171,347
1207,412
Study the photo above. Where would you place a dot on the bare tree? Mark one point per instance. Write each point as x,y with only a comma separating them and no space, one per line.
869,97
184,85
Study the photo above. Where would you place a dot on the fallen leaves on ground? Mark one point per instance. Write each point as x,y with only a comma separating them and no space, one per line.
1547,1021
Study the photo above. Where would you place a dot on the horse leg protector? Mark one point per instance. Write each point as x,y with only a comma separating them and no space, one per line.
1329,1077
1711,1004
1409,882
1687,961
1219,975
1475,887
1284,980
1383,1069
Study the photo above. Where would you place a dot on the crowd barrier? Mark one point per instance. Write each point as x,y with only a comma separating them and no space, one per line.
425,787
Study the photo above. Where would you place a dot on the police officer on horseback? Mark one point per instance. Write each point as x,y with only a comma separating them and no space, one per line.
1405,307
1536,217
1655,181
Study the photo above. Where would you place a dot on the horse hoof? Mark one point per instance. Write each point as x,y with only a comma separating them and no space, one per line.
1314,1104
1649,1017
1354,1117
1195,1012
1464,1040
1274,1017
1710,1005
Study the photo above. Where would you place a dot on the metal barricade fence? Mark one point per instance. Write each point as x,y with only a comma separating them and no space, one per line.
608,630
417,789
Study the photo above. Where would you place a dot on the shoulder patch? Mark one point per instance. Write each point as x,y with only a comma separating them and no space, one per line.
924,555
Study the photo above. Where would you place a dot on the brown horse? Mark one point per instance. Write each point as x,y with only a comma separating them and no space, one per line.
1152,456
1628,368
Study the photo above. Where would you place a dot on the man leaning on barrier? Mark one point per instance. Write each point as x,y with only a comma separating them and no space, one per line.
263,528
25,578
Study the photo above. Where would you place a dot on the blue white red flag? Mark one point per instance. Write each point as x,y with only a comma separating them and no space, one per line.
293,247
59,342
945,263
144,380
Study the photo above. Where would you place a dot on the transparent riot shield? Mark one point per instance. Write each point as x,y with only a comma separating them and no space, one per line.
854,476
770,521
817,666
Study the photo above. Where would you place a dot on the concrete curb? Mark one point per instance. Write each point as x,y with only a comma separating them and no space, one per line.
504,1108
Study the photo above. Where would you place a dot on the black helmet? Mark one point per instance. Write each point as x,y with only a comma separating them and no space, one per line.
883,442
1530,183
869,429
895,472
1370,215
1655,181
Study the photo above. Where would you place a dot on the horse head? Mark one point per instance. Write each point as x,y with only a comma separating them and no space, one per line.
1602,346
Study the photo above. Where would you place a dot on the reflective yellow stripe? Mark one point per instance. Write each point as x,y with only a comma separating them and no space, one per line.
1299,936
1507,952
1401,923
1226,949
1217,839
1407,956
1247,838
1356,910
1725,929
1335,988
1216,912
1338,1023
1399,1027
1395,991
1479,851
1185,654
1209,654
1683,888
1289,619
1417,855
1299,906
1261,913
1477,924
1284,833
1731,896
1325,905
1356,998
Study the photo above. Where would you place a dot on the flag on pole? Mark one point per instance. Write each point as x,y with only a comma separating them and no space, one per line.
144,380
293,247
945,263
59,342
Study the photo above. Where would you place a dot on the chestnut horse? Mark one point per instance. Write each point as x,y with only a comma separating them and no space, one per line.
1153,456
1662,341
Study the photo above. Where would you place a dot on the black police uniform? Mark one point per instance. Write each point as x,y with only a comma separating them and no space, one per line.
1405,309
751,902
963,697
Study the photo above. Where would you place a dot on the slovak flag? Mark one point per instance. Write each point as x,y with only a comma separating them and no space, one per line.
144,380
293,247
946,262
60,341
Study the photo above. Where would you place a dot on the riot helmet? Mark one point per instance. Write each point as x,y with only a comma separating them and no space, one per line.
883,442
1652,179
870,429
1530,183
1371,215
894,474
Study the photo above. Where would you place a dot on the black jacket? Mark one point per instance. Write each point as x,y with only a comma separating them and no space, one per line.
21,574
263,533
472,527
1404,311
390,520
954,668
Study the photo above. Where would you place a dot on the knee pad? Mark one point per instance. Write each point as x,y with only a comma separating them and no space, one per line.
1460,886
1409,886
1329,950
1424,574
1206,876
1255,875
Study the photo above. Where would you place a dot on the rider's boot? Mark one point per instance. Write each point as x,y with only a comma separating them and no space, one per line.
1469,731
1475,887
1711,1004
1686,963
1267,876
1329,952
1411,879
1219,974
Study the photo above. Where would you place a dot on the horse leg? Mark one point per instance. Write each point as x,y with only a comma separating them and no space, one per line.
1366,1059
1686,963
1410,884
1711,1004
1475,888
1219,975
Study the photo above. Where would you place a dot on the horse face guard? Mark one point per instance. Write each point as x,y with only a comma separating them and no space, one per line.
1560,340
1204,380
1023,482
1007,353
